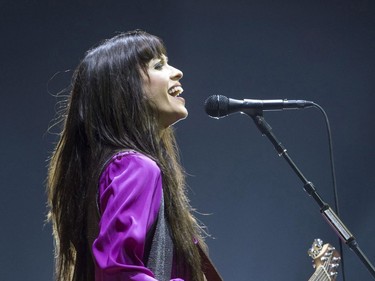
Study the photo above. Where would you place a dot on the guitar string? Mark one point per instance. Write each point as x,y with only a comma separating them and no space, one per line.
326,268
323,276
320,275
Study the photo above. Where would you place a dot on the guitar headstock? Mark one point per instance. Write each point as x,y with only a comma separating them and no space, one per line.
326,260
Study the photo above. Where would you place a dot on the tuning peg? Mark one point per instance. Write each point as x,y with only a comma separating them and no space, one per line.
325,258
333,273
318,242
316,247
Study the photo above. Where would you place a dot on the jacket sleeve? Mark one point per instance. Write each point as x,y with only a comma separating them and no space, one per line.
130,191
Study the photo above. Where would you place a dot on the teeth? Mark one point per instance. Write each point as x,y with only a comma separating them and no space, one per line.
175,91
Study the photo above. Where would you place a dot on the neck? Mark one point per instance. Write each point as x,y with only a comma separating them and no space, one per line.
320,275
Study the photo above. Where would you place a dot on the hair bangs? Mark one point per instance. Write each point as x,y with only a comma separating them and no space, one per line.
150,47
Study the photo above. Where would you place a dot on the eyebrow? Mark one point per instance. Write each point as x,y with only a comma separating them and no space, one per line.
164,58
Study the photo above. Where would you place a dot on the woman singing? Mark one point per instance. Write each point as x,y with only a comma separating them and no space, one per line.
116,190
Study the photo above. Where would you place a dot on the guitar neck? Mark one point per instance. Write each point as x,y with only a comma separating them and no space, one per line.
320,275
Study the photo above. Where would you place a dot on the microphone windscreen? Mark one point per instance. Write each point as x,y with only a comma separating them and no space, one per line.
216,106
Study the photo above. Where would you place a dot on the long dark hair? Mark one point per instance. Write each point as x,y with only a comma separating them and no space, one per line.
107,112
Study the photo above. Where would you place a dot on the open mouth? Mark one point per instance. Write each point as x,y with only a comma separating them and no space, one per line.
175,91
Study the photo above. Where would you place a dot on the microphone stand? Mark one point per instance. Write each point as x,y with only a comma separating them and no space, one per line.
330,216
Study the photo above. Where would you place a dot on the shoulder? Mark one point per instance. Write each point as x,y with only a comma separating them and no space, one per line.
129,162
131,182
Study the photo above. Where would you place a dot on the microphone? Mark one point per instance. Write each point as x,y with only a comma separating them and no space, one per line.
220,106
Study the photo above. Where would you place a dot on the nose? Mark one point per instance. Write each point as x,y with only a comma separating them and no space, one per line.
176,74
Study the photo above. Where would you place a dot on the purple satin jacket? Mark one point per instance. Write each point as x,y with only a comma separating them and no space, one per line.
130,192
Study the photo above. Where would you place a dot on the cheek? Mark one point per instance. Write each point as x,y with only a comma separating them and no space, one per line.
152,88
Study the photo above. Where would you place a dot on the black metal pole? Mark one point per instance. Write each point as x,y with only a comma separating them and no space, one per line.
330,216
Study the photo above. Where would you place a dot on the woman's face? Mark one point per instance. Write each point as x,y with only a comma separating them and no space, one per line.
163,88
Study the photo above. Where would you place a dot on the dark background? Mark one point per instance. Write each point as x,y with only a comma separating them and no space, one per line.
261,220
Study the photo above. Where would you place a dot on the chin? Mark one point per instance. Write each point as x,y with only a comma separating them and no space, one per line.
180,116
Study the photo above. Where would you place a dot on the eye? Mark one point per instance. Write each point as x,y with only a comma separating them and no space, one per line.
159,65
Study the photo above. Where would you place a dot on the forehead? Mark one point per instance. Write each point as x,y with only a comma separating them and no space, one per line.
163,58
